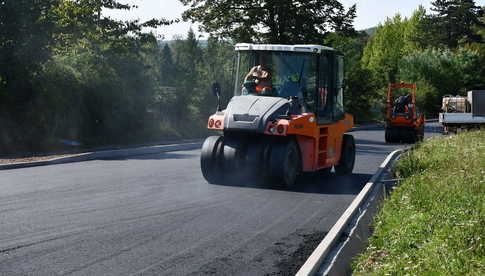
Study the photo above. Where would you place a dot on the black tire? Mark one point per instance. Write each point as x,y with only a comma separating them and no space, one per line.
421,134
415,135
233,155
387,136
254,159
390,135
412,136
324,172
347,158
211,159
285,163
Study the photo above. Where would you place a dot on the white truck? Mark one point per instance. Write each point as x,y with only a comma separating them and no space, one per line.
463,113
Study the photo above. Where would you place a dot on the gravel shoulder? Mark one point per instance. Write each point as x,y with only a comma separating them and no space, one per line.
16,160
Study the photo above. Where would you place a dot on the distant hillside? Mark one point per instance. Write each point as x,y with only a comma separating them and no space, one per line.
371,31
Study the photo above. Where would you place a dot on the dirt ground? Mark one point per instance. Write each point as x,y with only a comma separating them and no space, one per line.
14,160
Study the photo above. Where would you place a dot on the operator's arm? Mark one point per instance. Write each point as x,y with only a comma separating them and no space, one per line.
250,76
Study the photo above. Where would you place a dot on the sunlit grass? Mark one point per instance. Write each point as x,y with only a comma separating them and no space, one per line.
434,222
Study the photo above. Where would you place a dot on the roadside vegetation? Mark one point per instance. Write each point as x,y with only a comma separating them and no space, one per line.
69,73
434,221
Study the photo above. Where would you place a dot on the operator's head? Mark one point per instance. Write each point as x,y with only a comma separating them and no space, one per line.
260,78
261,72
263,80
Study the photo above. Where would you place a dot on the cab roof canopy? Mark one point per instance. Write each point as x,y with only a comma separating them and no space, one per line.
317,49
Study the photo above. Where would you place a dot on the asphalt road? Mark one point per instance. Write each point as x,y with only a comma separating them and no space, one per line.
155,215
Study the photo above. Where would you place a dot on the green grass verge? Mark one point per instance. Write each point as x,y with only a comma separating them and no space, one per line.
434,221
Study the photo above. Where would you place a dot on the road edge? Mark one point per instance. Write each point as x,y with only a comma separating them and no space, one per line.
105,154
117,153
350,233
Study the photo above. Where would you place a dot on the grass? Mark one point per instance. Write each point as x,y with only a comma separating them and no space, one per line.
434,221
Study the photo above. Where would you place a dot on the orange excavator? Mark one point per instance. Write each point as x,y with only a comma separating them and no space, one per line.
404,122
286,116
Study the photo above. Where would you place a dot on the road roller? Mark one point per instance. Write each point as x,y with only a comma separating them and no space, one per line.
404,122
286,117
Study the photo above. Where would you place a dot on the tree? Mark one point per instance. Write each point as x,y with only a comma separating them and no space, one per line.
415,31
360,87
66,71
394,39
187,57
218,66
442,72
454,22
168,69
82,21
26,32
283,21
383,52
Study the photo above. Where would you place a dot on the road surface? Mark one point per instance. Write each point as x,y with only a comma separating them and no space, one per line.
155,215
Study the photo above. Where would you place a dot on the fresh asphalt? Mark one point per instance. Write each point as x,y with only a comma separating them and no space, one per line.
155,215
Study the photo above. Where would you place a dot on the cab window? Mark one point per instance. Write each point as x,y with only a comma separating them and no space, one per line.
339,92
330,89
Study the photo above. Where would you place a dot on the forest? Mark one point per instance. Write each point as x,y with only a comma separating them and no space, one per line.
69,73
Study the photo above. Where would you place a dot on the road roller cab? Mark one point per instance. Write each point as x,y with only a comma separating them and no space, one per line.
404,122
293,123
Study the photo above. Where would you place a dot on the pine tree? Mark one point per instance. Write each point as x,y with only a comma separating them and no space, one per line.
454,22
187,57
168,70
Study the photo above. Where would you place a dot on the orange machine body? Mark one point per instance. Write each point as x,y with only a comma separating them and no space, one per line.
320,144
405,124
412,118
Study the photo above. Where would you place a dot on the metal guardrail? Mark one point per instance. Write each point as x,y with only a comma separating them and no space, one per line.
314,262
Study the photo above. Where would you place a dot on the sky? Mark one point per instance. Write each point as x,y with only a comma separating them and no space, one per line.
369,13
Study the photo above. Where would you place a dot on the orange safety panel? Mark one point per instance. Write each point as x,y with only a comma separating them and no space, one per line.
320,145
